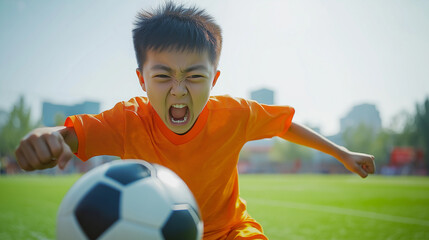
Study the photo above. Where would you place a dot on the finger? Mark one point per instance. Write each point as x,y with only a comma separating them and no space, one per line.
60,149
50,164
65,156
22,161
370,165
361,172
30,155
41,150
54,144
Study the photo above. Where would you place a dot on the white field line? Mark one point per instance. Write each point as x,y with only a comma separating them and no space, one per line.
38,236
339,210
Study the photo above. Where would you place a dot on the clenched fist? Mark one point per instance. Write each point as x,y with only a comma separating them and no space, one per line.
46,147
359,163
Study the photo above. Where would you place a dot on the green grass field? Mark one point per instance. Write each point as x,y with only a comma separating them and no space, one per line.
287,206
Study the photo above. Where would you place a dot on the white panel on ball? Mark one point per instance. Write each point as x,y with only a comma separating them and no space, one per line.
128,230
68,228
175,186
146,202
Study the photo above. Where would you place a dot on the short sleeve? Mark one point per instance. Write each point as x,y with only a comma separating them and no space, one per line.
100,134
267,121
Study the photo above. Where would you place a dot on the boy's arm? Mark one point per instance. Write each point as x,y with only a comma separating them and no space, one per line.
46,147
359,163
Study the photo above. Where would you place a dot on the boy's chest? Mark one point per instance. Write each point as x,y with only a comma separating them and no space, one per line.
207,158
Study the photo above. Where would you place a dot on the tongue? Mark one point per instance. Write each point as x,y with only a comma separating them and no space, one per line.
178,113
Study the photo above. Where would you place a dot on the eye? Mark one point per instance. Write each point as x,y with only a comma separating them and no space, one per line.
196,76
161,76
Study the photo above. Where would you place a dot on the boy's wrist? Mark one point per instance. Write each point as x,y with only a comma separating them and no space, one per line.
341,153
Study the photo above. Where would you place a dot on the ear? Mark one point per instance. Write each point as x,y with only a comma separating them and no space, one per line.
141,79
215,78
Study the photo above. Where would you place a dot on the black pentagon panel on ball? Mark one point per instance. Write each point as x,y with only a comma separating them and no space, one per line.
128,173
98,210
180,225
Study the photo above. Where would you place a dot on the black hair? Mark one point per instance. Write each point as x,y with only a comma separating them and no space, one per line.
176,27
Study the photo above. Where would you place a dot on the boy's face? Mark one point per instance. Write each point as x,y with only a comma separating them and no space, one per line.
178,85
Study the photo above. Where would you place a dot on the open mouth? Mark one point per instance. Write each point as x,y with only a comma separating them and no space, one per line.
179,114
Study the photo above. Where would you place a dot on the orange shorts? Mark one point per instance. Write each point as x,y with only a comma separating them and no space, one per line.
246,230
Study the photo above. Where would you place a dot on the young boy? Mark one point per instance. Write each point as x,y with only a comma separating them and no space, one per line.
179,125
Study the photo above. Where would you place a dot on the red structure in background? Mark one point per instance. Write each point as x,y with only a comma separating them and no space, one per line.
406,160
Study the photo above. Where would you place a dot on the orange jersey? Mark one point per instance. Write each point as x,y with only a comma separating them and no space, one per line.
205,157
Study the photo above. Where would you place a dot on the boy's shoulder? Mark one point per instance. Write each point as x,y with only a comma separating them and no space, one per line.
136,104
227,102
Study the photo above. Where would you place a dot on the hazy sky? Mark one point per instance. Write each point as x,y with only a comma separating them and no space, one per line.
321,57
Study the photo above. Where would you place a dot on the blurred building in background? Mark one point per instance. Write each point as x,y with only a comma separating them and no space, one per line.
362,114
366,114
55,114
263,95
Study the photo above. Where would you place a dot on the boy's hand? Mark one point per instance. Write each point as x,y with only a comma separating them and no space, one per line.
43,148
359,163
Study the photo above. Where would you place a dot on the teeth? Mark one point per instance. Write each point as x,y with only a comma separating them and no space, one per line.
179,105
179,121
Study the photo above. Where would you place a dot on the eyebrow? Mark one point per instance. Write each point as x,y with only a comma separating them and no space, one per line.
168,69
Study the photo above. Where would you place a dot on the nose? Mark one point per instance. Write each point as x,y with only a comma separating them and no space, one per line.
179,89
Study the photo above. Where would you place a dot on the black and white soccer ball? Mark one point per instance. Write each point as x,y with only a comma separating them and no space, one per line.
129,199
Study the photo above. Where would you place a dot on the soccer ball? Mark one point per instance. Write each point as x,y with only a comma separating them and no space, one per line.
129,199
